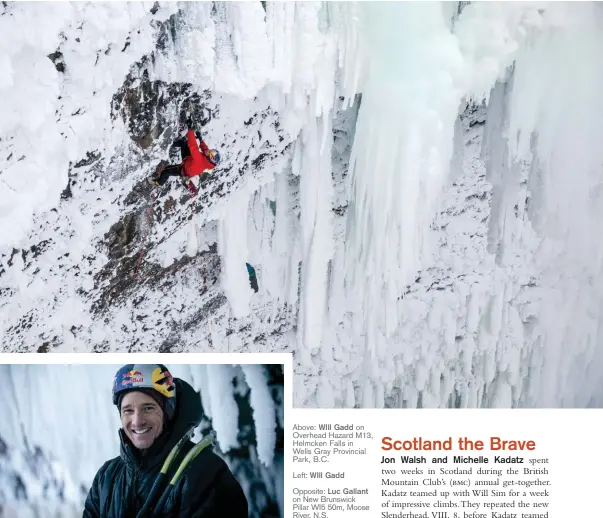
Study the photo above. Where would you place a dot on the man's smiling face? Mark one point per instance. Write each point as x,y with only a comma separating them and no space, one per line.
141,418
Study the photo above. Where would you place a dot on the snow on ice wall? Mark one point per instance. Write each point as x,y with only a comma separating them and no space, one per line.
555,168
67,412
33,92
400,157
490,340
500,350
450,263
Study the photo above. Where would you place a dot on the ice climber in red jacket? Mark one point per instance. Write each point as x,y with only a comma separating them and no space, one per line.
195,161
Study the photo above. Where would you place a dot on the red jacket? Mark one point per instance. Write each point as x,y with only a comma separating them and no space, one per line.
197,162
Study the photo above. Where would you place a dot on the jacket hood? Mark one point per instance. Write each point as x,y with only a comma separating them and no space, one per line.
188,415
188,409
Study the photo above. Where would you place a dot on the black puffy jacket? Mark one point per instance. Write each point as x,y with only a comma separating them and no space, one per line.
206,488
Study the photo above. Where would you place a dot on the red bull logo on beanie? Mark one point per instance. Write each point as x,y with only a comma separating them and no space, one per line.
132,377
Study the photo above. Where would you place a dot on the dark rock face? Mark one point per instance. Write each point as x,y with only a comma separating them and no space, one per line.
91,158
121,235
57,59
152,107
